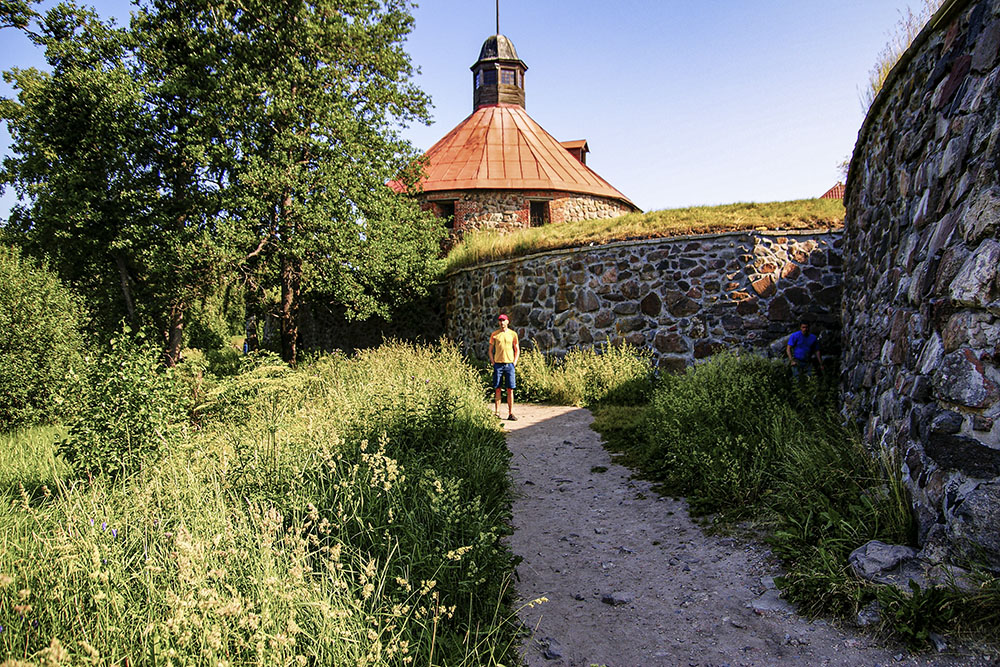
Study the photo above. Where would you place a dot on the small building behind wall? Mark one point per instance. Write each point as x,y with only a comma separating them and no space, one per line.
499,169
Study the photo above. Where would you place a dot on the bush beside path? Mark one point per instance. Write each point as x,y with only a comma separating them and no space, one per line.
629,580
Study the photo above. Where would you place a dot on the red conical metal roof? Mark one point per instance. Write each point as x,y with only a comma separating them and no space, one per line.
500,147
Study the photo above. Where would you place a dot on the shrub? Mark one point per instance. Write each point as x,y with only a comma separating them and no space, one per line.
40,340
130,410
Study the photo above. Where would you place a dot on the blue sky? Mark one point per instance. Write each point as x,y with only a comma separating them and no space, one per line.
682,103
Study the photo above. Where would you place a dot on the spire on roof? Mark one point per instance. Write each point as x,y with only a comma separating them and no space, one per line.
498,75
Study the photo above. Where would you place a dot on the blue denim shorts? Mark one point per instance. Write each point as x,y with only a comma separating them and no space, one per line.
501,371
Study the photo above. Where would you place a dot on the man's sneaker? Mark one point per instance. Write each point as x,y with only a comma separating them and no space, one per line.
512,418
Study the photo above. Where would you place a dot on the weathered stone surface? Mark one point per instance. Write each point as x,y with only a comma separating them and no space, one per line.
703,349
976,519
960,378
670,343
626,308
876,559
673,364
765,287
965,454
790,271
587,302
651,304
985,55
976,282
683,307
921,302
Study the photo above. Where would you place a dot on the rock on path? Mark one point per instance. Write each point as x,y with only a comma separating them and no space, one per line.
632,582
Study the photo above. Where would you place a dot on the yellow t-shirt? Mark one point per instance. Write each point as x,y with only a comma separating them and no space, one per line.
503,346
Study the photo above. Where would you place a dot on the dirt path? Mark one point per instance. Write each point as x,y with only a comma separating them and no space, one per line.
632,582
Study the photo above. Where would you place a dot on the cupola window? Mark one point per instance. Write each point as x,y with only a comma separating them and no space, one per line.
508,77
490,77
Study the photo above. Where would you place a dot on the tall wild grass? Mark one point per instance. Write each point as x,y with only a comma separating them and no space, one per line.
349,512
586,376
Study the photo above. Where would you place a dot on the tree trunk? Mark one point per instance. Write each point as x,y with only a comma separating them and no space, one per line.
126,281
291,286
174,335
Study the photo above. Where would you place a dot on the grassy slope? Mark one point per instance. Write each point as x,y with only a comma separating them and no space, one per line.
803,214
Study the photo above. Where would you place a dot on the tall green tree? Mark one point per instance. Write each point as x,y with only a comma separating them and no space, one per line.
319,88
95,161
217,140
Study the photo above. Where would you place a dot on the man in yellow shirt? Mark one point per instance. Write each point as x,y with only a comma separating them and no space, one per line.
503,354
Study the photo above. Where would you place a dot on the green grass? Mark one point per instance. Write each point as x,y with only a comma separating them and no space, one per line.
805,214
743,442
348,512
586,376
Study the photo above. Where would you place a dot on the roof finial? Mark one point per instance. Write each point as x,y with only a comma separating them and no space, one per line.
498,17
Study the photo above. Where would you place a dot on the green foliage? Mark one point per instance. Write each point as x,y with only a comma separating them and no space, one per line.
350,511
707,431
207,147
740,438
587,376
916,613
40,340
129,411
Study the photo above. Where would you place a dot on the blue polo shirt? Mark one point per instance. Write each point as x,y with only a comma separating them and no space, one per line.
803,346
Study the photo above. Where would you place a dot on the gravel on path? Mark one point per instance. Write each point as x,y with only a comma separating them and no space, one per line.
631,581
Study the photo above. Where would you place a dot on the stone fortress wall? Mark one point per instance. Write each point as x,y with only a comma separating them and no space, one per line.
506,210
921,309
682,298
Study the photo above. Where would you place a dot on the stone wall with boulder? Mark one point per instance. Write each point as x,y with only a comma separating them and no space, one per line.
921,309
682,298
506,210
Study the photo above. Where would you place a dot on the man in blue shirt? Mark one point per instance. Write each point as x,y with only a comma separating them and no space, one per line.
802,347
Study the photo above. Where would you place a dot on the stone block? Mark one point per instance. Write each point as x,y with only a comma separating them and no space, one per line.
630,290
764,287
982,220
779,310
976,283
982,423
747,306
670,343
587,301
790,271
987,46
636,339
626,308
683,307
974,528
965,454
947,422
651,304
704,348
797,296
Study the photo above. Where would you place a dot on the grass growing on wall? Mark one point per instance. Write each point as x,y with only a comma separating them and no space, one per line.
805,214
350,512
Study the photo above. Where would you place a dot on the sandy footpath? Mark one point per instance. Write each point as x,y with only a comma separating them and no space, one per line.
632,582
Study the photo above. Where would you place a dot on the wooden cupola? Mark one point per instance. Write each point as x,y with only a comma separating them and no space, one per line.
498,75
